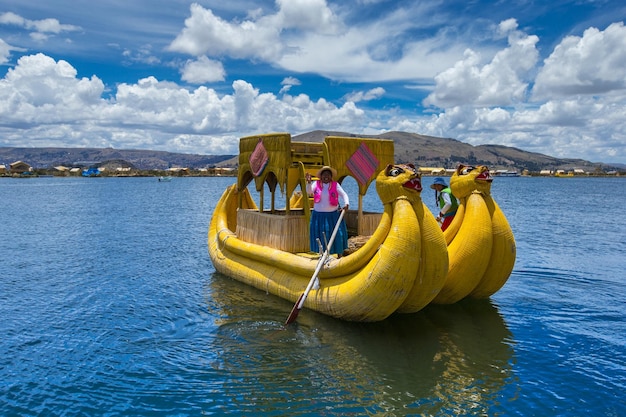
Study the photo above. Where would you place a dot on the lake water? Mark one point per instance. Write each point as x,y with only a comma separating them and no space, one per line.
110,306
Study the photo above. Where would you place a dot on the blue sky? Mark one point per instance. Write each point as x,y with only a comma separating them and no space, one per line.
193,77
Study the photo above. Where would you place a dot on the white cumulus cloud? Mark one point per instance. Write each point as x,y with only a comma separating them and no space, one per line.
41,90
48,25
371,94
203,70
287,83
592,64
501,82
42,101
207,34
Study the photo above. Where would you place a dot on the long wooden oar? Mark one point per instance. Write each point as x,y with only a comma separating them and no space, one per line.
298,306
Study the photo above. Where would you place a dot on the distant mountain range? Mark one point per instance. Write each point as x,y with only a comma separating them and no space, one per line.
424,151
431,151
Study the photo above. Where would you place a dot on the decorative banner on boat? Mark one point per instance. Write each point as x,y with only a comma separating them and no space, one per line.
362,164
258,159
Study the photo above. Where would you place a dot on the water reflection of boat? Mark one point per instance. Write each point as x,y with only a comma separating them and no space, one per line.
443,360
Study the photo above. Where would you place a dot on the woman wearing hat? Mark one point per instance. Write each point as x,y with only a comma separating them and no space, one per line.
448,203
326,193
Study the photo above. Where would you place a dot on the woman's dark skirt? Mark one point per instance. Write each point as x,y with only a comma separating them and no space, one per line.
323,223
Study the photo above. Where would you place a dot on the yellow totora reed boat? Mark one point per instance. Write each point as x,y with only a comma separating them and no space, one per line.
402,263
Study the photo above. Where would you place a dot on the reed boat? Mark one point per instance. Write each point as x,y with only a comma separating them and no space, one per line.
401,263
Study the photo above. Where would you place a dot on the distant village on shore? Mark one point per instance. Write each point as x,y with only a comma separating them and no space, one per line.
21,169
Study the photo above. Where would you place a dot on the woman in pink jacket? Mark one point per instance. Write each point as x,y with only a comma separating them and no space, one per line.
326,194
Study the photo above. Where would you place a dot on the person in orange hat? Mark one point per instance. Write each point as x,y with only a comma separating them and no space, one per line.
326,193
448,204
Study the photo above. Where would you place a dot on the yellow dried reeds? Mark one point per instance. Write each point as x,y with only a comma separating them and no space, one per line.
278,147
287,164
364,224
340,149
287,232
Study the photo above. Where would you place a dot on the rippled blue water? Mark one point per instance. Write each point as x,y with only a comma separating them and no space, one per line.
110,306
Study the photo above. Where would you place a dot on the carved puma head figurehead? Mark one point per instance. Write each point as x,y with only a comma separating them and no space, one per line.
401,180
468,179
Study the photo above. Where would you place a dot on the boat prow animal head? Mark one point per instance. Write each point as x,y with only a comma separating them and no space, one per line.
400,180
414,183
467,179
